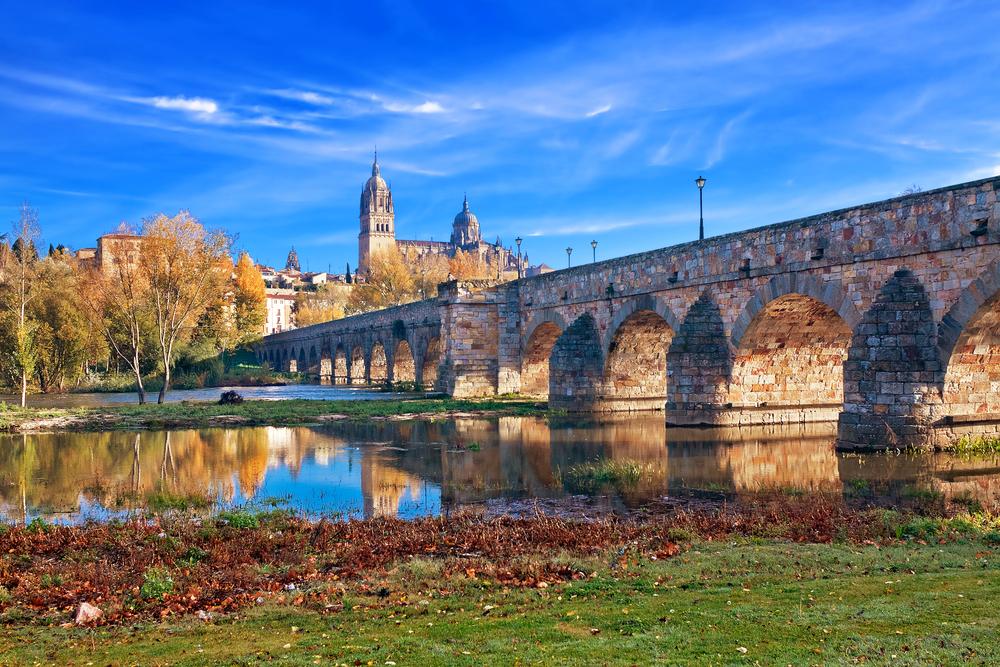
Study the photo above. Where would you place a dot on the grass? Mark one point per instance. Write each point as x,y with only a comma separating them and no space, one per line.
248,413
978,445
733,602
600,476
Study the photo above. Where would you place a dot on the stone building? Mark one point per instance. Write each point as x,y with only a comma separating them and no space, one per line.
110,249
378,233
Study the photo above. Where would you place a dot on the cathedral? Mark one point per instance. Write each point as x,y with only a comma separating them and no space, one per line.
378,233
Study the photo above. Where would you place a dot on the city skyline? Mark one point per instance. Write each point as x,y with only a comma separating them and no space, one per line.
561,125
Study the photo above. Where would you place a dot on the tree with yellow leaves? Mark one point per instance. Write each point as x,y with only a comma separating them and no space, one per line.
249,301
388,283
468,266
185,267
328,302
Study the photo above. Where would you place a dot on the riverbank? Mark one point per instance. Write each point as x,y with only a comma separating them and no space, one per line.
251,413
774,581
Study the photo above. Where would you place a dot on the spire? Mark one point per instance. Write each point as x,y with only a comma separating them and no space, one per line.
465,203
375,169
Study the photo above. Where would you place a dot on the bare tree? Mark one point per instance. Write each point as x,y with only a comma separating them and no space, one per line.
186,269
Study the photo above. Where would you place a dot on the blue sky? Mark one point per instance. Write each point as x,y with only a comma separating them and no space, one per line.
564,122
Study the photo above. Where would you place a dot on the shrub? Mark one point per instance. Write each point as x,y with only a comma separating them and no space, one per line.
239,519
230,397
156,582
39,525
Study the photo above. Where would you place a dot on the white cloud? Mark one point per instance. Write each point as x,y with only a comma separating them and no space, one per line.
426,107
180,103
307,96
598,111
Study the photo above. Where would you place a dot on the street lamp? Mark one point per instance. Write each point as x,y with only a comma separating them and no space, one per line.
518,242
497,249
700,182
593,245
569,251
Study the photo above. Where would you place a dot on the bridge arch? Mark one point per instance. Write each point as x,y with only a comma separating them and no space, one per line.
537,345
403,365
969,347
430,359
831,293
790,344
636,345
356,369
378,363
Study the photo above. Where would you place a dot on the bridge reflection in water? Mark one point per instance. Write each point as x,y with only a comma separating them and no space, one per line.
416,468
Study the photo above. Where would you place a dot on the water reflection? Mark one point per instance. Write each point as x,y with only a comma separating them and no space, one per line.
426,467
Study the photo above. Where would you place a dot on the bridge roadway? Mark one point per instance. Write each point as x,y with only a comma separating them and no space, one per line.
884,317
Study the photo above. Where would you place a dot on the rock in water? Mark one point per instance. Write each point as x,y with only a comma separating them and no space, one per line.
87,614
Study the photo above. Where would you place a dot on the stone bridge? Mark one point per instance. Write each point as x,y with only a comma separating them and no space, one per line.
884,317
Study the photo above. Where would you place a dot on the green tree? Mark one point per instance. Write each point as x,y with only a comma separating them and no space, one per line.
20,281
63,335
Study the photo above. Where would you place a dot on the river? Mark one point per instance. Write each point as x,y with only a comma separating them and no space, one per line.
313,392
486,465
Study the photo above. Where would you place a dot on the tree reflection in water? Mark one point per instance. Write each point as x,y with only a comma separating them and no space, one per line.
424,467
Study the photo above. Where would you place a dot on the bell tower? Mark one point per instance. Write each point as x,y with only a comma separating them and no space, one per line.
378,219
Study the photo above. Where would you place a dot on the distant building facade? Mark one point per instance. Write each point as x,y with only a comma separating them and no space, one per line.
111,248
378,233
280,305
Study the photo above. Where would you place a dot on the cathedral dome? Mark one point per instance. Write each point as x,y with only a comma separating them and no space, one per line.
466,217
465,230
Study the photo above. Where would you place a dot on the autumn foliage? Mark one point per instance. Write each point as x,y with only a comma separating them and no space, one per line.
215,564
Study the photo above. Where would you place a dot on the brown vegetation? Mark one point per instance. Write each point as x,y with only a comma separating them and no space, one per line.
165,566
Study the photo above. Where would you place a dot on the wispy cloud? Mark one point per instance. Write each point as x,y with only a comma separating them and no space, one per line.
598,111
427,107
307,96
723,138
200,105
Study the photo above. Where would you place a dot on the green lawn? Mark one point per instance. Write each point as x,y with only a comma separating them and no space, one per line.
743,602
249,413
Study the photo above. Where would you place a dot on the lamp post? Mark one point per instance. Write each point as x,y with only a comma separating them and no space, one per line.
700,182
569,251
518,242
593,246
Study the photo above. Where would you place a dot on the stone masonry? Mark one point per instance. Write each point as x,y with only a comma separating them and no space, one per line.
884,317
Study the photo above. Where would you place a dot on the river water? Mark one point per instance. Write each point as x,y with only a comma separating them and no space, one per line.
312,392
486,465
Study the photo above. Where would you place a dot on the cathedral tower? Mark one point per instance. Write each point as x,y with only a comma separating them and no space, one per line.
378,220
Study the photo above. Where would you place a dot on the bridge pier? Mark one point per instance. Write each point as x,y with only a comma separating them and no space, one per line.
892,376
326,370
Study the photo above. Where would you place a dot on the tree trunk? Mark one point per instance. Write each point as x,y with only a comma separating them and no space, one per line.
24,389
166,384
138,379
